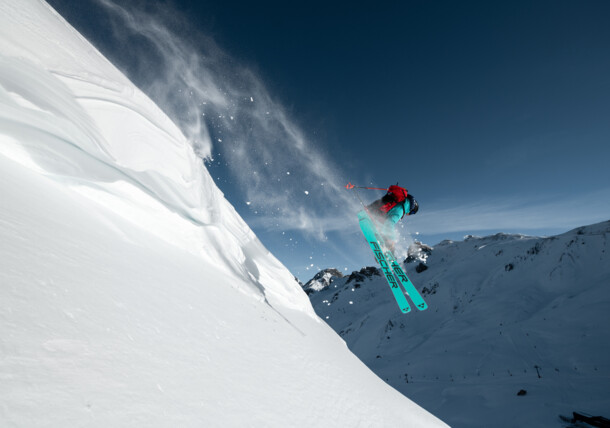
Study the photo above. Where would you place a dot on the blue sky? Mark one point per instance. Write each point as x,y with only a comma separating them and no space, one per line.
495,115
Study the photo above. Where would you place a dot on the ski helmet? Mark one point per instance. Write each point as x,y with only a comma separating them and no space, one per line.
413,205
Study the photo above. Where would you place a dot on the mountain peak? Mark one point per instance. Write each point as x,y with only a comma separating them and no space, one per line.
501,310
321,280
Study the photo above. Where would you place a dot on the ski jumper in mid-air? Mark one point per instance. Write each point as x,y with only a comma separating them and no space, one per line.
388,211
377,222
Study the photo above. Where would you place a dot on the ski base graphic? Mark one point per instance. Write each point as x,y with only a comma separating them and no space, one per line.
390,267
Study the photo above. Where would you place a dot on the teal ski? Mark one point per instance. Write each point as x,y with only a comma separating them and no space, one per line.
377,244
368,229
412,292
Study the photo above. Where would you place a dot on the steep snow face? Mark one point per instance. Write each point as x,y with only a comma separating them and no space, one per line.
132,294
71,115
506,312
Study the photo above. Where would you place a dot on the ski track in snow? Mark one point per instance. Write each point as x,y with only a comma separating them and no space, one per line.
132,294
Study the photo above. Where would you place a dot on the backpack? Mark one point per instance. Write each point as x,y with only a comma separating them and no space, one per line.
395,195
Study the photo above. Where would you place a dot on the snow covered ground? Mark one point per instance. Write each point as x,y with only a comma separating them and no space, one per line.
506,313
131,292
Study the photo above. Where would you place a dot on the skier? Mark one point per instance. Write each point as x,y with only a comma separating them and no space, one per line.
390,209
377,221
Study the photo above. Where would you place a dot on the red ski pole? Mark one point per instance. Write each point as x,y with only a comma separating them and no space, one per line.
349,186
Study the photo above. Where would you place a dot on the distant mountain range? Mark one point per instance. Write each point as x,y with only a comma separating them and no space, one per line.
516,331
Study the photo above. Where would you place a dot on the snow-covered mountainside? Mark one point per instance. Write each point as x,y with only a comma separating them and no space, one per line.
506,313
131,292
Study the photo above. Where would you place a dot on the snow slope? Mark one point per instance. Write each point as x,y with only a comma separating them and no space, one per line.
131,292
506,312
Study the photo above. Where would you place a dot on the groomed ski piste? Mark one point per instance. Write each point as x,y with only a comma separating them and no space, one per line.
131,292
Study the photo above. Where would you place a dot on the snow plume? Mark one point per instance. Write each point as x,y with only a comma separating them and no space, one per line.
232,121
